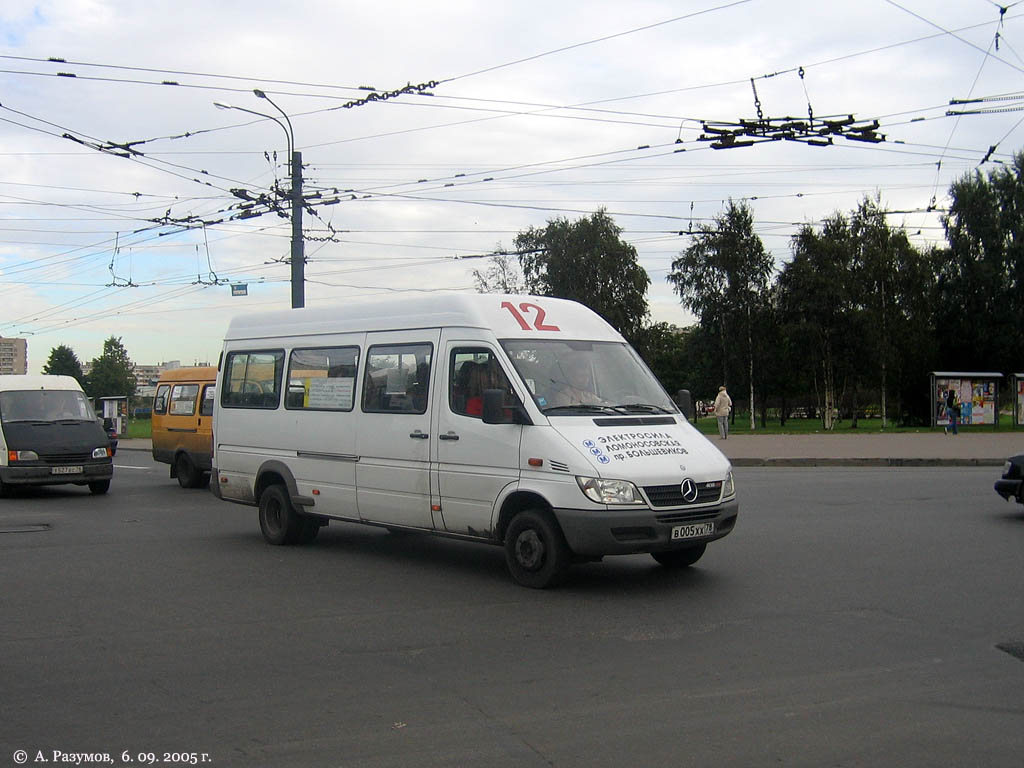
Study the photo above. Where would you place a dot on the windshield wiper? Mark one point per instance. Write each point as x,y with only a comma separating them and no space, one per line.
585,407
642,407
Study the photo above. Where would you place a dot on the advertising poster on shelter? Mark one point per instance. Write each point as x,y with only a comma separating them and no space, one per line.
1020,402
983,403
977,400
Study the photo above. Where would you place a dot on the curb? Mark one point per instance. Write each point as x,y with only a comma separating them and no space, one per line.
892,462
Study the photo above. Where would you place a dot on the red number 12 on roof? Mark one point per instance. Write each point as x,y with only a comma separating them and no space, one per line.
538,321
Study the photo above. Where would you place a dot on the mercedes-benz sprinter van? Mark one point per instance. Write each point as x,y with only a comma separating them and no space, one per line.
519,421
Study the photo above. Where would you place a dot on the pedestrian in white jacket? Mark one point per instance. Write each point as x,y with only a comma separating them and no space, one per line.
723,407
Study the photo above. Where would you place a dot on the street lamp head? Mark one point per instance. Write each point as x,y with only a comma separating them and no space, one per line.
222,105
259,94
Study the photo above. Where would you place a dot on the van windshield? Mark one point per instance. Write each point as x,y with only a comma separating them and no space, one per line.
49,405
581,378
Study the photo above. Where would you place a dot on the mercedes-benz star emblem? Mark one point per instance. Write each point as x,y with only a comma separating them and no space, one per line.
689,490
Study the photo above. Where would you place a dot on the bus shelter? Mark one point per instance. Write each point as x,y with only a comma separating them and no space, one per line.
114,412
1018,399
979,396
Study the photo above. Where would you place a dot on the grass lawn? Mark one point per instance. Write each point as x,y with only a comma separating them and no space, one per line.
709,426
138,428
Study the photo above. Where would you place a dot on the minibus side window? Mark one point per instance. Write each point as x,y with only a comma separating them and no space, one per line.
397,378
471,371
206,407
160,401
322,379
183,399
252,379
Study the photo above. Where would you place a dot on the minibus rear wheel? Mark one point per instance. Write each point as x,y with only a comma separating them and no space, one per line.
680,558
279,521
535,550
189,476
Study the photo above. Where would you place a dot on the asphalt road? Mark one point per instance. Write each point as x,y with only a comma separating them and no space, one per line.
852,619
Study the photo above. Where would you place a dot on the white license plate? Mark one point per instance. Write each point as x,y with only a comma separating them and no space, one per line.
693,530
65,470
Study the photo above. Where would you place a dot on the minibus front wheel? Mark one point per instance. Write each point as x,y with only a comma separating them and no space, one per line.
98,487
535,550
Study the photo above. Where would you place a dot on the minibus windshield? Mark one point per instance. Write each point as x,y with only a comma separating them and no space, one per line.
49,405
581,378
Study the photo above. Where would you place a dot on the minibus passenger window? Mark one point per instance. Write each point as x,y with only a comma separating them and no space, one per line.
322,379
160,401
209,392
183,399
253,380
397,378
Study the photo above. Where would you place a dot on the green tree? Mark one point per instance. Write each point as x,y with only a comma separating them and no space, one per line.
587,261
980,284
816,306
64,362
500,277
723,277
663,347
893,284
111,373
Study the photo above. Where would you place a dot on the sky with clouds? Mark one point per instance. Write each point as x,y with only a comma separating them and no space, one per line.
123,188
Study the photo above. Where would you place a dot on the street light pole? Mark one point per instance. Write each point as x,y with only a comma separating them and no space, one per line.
298,244
298,256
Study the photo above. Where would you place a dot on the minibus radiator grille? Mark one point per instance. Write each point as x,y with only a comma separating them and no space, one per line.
672,495
65,458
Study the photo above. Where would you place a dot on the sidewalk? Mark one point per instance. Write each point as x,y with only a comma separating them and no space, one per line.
874,449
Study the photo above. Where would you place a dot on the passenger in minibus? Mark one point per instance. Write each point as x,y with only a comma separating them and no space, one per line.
574,384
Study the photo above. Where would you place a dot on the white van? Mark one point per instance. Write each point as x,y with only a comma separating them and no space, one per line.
49,435
512,420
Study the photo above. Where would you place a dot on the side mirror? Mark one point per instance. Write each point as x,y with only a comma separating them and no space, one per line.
685,403
495,411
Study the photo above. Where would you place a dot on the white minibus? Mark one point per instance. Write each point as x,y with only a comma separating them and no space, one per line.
520,421
49,435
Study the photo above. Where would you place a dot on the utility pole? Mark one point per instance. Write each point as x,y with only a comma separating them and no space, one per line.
298,245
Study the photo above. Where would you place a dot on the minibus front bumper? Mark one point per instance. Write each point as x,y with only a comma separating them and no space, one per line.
593,533
54,474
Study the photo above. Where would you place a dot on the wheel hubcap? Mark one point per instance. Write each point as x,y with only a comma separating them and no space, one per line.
529,550
274,515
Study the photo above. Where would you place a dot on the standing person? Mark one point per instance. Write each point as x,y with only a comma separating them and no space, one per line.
952,409
723,407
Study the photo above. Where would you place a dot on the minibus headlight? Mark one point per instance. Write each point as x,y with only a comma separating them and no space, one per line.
729,486
22,456
100,453
609,491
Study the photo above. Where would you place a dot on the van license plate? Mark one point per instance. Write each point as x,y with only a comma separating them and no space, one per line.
65,470
692,531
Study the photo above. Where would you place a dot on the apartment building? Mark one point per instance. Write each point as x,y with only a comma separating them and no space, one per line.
13,356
